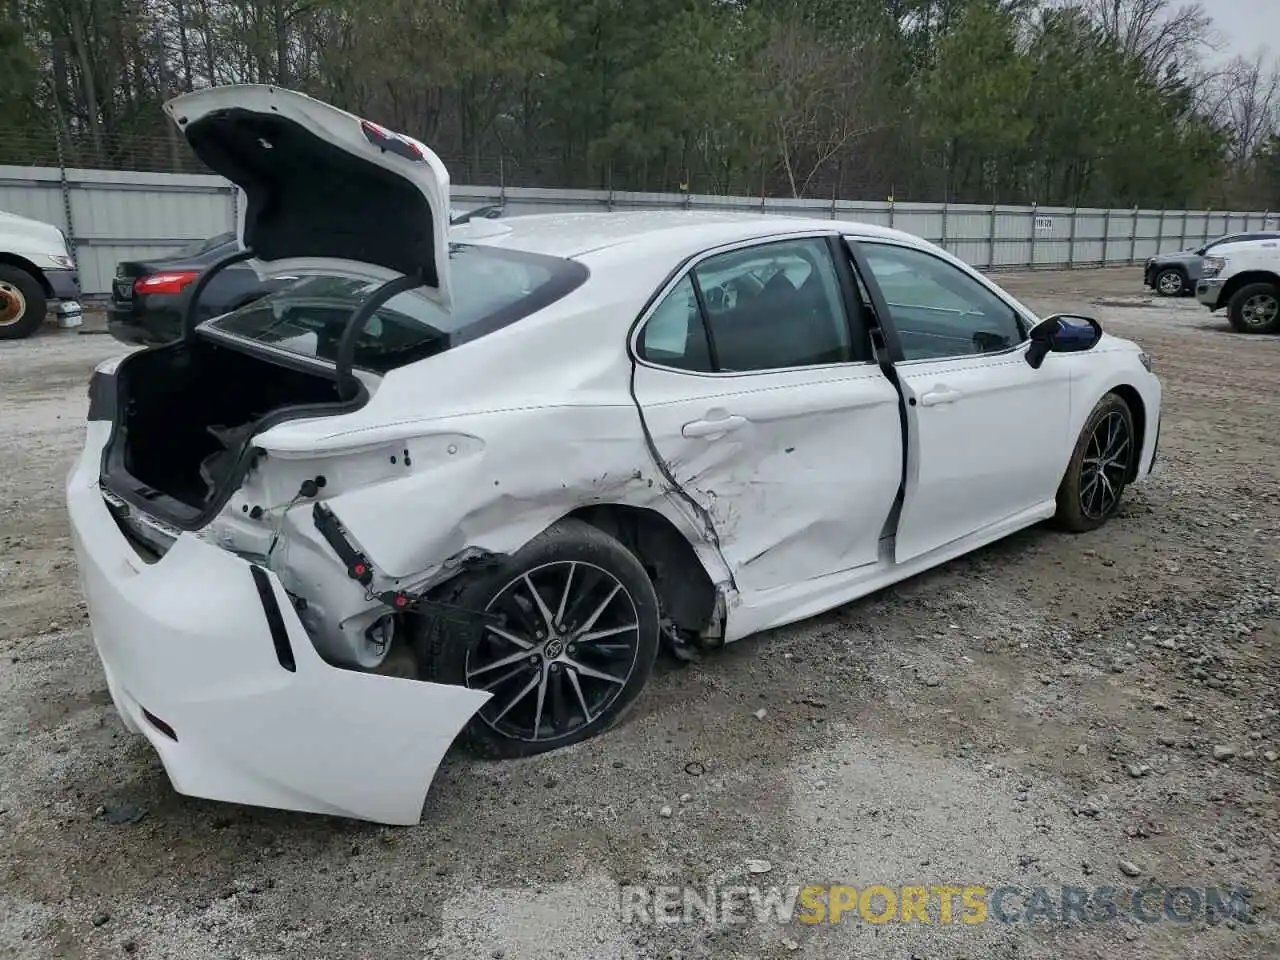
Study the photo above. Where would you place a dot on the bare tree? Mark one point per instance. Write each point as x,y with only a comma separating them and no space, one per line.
1166,37
1249,105
820,101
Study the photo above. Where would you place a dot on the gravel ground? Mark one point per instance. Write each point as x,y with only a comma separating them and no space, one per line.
1091,711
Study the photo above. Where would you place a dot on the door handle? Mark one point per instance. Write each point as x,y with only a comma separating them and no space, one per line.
938,395
708,428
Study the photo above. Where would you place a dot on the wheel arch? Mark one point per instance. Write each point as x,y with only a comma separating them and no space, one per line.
1242,280
686,590
25,265
1138,408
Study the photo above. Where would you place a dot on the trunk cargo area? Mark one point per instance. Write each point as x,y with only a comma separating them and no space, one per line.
185,414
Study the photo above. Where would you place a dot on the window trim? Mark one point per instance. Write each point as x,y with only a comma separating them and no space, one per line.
690,264
1024,321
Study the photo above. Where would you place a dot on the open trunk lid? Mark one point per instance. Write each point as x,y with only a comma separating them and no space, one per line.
322,186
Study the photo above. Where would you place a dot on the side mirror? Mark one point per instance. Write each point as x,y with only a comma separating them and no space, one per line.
1062,333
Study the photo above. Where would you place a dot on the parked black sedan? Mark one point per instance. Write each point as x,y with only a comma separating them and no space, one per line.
149,297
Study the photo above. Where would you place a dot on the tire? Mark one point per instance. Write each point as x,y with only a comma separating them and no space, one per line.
1171,283
1255,309
1082,504
571,564
22,303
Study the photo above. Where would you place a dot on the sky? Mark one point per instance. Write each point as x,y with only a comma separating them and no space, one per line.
1246,26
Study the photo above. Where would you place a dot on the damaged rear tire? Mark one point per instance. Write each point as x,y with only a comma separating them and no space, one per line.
567,640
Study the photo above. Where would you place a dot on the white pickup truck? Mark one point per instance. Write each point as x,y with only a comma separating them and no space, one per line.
37,274
1245,279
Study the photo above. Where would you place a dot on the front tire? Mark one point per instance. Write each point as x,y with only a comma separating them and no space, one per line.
1255,309
1171,283
22,303
571,643
1100,467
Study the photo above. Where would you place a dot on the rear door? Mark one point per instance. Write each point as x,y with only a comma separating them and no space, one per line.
760,399
987,435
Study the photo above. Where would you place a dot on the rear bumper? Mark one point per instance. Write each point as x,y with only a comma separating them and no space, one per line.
211,647
146,320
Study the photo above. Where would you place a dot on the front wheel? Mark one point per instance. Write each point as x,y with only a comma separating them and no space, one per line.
1171,283
1255,309
565,639
1099,469
22,303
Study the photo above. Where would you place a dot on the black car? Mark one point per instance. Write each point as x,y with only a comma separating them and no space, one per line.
149,297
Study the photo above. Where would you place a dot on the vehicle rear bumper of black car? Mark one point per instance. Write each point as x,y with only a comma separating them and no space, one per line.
146,320
64,284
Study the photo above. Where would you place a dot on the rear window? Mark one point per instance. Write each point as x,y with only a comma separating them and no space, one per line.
491,289
204,246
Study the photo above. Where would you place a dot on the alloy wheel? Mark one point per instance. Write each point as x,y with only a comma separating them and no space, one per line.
1105,466
12,304
1170,283
1260,310
559,650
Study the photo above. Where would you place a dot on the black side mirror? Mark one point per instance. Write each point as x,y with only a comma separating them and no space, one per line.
1062,333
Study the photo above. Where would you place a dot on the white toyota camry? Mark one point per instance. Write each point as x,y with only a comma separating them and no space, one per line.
533,451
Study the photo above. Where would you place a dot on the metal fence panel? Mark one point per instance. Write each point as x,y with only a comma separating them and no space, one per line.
112,215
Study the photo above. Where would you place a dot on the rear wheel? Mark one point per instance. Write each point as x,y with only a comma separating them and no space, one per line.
1171,283
567,641
22,303
1100,467
1255,309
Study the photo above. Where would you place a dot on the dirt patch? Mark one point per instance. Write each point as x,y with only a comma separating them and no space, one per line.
1030,716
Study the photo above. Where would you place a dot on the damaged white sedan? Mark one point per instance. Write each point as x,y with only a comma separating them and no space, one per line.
531,451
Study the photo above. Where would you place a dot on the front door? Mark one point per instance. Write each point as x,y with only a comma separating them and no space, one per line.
766,411
986,432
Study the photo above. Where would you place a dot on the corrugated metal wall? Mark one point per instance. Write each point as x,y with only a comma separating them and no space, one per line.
111,216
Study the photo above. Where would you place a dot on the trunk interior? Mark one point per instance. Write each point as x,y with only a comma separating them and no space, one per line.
185,416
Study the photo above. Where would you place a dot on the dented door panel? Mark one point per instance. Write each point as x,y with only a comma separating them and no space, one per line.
802,480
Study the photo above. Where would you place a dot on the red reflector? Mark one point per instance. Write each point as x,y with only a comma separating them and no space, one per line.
360,569
165,282
159,724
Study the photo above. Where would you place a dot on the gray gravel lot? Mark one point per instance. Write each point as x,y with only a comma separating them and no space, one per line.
1033,715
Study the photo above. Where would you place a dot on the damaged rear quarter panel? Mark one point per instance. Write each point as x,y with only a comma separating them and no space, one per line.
533,467
505,435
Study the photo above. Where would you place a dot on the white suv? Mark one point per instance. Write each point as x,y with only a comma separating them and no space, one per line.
1245,279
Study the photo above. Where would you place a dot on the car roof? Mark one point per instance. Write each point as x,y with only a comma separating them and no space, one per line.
679,232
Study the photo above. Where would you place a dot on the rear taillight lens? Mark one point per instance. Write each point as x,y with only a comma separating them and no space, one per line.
165,282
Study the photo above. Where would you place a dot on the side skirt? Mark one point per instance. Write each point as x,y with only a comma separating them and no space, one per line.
784,605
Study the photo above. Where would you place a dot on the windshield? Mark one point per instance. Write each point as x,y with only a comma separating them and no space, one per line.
204,246
491,289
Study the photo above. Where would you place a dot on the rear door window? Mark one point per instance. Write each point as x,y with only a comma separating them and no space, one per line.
771,306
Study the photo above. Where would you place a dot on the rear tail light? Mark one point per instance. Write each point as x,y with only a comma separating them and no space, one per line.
165,282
